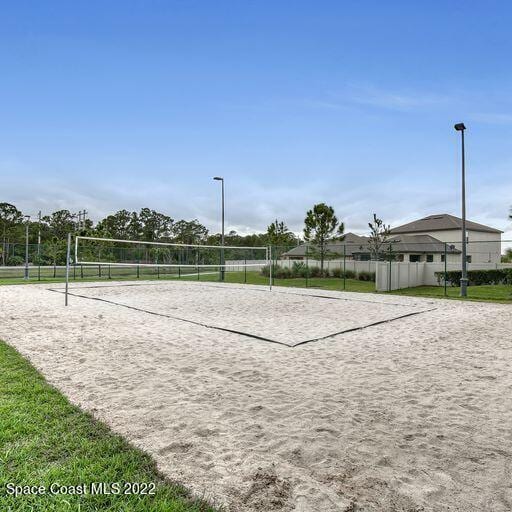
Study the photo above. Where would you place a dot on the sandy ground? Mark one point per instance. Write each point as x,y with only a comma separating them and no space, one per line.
412,414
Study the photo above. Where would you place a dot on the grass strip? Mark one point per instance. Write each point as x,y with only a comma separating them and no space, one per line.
46,440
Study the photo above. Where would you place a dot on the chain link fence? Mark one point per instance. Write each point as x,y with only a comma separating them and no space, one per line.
404,265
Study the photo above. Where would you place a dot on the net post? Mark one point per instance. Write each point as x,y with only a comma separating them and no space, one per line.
68,249
245,271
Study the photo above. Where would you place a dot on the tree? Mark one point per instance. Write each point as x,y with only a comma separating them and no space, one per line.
278,234
11,227
507,257
58,225
55,250
123,225
322,226
154,225
379,234
189,232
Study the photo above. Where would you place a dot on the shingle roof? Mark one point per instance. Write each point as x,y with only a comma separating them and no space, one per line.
351,241
420,243
355,244
442,222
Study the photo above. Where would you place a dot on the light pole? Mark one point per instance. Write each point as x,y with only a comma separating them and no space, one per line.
222,270
27,217
464,279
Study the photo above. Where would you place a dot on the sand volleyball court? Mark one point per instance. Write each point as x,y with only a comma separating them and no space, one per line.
290,400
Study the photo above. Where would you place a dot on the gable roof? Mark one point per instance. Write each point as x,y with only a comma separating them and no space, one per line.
420,243
355,244
351,241
442,222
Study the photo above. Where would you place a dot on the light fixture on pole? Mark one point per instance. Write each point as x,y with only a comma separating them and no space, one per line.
464,279
27,217
219,178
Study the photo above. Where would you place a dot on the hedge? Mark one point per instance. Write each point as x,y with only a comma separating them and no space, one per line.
477,277
301,270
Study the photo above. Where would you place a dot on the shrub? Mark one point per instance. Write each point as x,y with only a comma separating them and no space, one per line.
338,273
366,276
477,277
315,272
15,261
299,269
277,272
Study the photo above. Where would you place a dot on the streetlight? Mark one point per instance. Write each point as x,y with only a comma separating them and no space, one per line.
219,178
464,279
26,245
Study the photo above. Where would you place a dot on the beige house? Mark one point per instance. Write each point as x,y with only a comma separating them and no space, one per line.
484,242
430,240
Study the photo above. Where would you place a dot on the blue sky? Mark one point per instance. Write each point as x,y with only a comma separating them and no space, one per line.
109,105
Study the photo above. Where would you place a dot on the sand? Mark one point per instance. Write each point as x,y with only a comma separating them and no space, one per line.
411,414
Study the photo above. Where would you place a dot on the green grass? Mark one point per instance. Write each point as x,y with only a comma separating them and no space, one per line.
44,440
490,293
494,293
326,283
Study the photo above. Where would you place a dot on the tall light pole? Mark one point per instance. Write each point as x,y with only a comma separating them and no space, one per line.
219,178
464,279
27,217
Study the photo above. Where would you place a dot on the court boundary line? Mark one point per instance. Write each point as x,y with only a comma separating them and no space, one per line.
242,333
253,288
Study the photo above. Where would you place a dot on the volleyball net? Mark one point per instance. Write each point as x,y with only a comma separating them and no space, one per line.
168,257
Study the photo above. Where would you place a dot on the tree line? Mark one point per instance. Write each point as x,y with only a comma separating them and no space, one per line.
321,227
146,225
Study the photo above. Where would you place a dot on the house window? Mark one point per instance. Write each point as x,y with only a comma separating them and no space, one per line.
442,258
414,258
430,258
400,257
468,258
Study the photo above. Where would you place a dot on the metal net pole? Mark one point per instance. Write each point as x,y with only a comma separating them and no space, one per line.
67,269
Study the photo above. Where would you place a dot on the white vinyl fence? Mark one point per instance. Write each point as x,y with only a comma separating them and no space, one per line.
409,275
354,266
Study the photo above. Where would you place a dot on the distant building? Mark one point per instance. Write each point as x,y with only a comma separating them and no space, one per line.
484,241
408,248
424,240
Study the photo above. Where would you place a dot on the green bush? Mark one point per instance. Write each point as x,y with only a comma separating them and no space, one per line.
15,261
299,269
315,272
366,276
277,272
338,273
477,277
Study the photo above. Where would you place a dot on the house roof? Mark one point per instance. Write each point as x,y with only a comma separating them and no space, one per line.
442,222
352,242
355,244
420,243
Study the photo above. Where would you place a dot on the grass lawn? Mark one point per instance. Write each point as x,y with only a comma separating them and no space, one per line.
491,293
326,283
45,440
